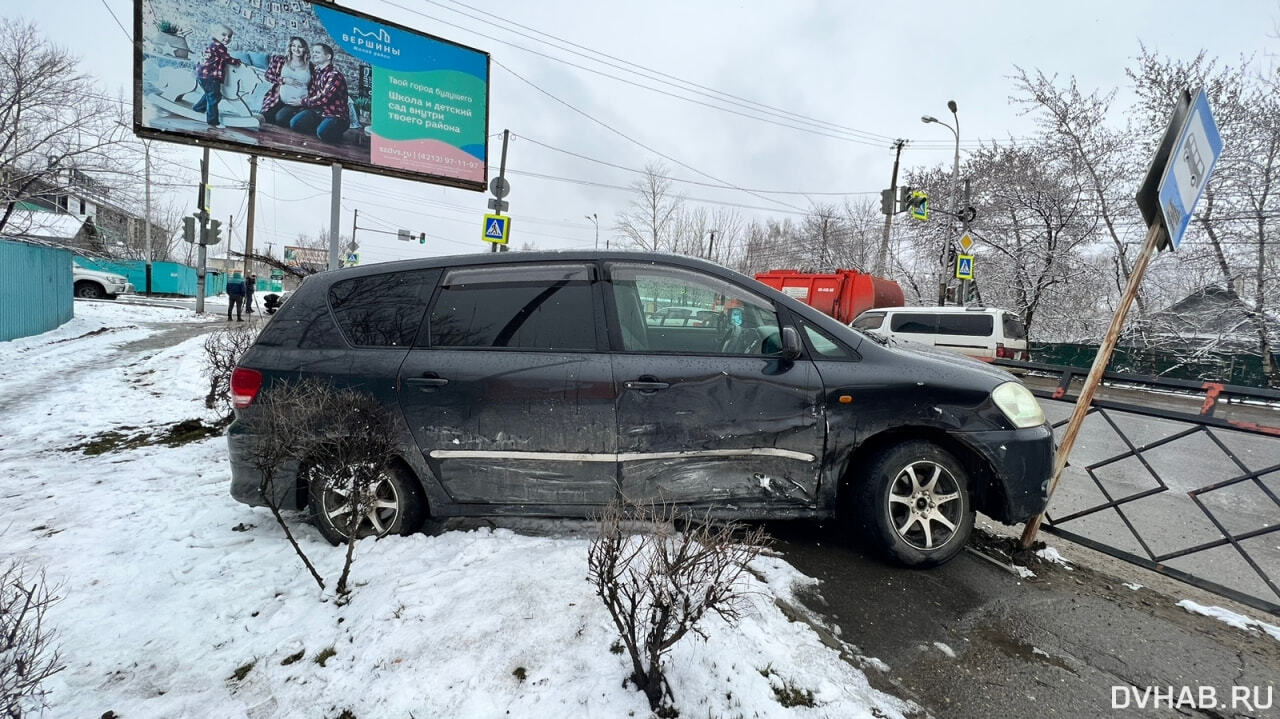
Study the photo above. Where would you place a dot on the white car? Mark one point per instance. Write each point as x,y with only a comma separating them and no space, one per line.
985,333
97,285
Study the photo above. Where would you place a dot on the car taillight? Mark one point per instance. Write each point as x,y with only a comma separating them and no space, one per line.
1003,352
245,384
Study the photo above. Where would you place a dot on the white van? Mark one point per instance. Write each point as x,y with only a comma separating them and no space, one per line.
986,333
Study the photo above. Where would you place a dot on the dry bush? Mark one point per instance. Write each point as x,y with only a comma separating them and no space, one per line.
659,583
342,438
27,653
223,349
351,455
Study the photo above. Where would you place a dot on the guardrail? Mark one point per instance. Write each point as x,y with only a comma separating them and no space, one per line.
1215,415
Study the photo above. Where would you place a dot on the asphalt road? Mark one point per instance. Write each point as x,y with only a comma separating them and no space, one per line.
971,639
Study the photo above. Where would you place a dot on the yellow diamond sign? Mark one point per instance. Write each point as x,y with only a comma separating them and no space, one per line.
966,243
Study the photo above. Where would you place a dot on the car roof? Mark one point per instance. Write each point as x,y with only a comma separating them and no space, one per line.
940,310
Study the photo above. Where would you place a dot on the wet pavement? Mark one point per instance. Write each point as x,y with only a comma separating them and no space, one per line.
973,639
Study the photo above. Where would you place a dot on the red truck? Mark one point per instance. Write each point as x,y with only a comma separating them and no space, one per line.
843,294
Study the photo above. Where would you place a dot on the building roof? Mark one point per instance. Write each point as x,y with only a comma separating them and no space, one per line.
43,225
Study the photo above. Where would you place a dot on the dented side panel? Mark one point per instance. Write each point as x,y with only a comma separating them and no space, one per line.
515,428
740,431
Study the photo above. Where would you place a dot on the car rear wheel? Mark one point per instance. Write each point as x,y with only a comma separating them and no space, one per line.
392,504
914,504
89,291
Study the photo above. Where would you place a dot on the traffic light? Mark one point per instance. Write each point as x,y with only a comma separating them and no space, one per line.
904,197
422,238
886,202
215,233
189,228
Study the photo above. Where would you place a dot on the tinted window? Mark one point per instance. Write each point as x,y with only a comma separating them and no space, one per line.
914,322
536,307
382,310
1013,328
869,321
969,325
304,321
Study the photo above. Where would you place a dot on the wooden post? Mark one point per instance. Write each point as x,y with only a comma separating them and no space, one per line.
1091,383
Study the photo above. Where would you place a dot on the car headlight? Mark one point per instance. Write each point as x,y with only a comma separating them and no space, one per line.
1018,404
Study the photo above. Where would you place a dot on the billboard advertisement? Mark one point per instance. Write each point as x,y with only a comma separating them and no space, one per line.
307,80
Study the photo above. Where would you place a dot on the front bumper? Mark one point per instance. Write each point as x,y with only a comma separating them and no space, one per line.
246,480
1021,463
123,289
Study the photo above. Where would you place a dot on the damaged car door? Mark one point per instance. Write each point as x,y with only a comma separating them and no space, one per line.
711,415
508,392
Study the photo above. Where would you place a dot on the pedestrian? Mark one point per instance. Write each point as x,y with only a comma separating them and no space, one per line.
250,284
235,296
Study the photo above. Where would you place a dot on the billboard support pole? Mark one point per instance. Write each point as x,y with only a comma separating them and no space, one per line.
204,230
335,209
146,145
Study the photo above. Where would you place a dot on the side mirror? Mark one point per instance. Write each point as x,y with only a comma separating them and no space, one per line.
790,343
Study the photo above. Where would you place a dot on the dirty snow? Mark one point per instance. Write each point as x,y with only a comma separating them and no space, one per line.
1133,585
1049,554
1239,621
945,649
1023,572
170,587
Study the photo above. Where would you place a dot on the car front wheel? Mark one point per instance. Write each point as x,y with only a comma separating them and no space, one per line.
915,505
89,291
391,504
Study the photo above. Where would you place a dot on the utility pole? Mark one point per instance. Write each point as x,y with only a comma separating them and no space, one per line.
355,215
146,244
502,172
201,253
335,211
964,230
883,255
248,228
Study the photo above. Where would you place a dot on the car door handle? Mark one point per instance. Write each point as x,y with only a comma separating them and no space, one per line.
427,381
645,385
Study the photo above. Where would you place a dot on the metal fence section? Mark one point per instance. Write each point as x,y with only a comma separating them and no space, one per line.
35,289
1178,476
167,278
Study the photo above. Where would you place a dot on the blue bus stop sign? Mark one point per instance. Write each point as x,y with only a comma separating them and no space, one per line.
1190,164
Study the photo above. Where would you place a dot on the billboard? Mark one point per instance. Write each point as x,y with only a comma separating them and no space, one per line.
307,80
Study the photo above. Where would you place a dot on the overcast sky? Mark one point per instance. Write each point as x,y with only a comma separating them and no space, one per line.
868,71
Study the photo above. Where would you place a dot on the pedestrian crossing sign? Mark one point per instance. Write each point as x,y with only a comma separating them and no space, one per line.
964,267
497,228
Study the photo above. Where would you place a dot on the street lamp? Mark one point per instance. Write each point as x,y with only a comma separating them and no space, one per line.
955,191
595,221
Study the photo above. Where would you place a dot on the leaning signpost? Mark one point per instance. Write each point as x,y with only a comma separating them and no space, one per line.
1177,177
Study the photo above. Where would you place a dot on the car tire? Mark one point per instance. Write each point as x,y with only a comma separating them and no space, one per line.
401,508
913,503
89,291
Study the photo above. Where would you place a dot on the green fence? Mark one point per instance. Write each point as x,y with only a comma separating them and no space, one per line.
167,278
1226,367
35,289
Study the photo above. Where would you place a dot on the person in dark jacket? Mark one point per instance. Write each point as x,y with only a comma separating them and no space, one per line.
250,284
235,295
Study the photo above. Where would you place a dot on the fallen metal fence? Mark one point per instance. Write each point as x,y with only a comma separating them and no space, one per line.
1216,416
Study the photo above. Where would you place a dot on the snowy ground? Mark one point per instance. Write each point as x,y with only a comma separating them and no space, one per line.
171,589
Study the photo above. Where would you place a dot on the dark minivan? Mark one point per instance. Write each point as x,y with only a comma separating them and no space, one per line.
536,384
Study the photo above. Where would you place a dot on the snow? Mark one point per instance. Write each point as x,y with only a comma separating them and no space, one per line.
1023,572
169,587
1239,621
1049,554
1133,586
945,649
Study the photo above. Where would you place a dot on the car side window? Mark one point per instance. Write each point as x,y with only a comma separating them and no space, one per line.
966,325
529,307
868,321
914,323
825,346
382,310
675,310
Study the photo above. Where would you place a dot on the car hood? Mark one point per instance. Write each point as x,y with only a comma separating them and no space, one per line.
937,366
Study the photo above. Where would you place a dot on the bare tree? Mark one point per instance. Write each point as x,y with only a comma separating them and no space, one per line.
27,652
658,585
56,128
649,219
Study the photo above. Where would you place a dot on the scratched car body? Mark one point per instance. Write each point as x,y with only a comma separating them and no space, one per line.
536,384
